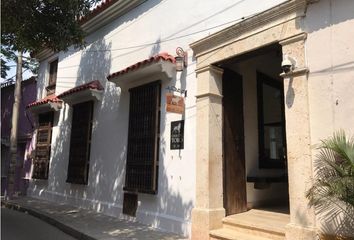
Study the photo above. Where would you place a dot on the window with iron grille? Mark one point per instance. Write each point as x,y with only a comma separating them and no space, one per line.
53,69
80,142
143,138
43,146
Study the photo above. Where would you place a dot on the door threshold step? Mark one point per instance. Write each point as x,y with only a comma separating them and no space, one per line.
229,234
258,220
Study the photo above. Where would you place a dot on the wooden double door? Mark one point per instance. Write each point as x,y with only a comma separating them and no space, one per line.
234,171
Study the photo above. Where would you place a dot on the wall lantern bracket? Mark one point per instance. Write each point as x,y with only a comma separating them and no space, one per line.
181,59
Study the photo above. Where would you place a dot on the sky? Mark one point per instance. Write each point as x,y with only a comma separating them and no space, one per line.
12,72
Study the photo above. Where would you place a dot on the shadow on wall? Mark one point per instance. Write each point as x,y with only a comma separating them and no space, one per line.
104,191
171,202
60,149
108,160
95,64
156,48
330,22
327,13
290,93
170,209
166,210
108,149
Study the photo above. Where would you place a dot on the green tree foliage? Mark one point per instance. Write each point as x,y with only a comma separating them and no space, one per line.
6,57
4,68
32,25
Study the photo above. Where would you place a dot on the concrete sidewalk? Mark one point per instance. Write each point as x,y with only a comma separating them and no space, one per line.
85,224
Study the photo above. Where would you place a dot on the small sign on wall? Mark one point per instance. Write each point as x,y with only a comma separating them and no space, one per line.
174,103
177,135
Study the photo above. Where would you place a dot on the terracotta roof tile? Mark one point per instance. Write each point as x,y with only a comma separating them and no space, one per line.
51,98
90,85
161,56
97,10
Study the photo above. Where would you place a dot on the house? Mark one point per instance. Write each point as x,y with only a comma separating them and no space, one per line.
262,83
25,131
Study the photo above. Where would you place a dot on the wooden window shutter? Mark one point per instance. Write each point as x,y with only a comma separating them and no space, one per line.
43,146
143,138
80,142
53,70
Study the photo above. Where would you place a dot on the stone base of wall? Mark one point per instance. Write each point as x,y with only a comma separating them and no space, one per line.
295,232
203,219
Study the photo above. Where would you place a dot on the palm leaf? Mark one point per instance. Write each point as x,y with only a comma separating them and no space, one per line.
334,175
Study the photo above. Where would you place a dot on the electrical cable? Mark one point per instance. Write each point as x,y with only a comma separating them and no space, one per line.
168,39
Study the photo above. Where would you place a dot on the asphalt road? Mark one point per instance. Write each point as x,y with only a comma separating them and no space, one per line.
21,226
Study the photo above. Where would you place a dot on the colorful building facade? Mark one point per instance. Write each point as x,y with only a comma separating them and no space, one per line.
25,133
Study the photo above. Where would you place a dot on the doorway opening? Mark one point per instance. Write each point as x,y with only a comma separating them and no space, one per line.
254,136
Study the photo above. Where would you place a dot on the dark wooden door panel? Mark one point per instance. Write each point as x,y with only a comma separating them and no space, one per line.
233,144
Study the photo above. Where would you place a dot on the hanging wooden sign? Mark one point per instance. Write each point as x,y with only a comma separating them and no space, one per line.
177,135
174,103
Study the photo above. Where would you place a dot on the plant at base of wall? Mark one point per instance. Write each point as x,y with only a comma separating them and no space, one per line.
332,192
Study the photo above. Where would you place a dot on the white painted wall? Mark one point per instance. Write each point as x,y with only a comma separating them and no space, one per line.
330,58
130,39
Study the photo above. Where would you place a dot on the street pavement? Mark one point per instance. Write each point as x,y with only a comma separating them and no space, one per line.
86,224
17,225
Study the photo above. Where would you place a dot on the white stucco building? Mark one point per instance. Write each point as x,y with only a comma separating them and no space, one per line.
250,130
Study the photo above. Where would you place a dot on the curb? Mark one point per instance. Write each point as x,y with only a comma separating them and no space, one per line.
50,220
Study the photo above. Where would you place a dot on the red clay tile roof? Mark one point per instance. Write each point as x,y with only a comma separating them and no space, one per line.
97,10
161,56
51,98
90,85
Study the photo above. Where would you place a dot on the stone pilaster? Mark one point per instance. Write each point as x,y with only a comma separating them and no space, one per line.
302,218
209,210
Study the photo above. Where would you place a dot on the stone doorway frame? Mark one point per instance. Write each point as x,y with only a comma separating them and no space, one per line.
283,24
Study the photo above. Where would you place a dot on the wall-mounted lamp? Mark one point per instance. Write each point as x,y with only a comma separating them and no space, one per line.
288,64
181,59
